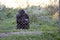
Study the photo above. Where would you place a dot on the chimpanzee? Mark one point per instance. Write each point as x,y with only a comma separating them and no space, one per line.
22,20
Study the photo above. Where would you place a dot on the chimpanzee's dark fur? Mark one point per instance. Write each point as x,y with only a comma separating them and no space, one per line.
22,20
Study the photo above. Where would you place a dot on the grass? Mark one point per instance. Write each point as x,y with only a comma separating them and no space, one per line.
44,36
22,37
9,25
39,21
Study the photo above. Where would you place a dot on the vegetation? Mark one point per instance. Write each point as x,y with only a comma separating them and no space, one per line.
40,20
44,36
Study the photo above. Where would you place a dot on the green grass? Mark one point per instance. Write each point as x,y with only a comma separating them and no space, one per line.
22,37
9,25
40,20
44,36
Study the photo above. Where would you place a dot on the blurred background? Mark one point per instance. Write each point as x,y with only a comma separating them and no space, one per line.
43,15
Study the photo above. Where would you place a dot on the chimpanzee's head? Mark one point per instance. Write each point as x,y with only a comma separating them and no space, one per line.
21,11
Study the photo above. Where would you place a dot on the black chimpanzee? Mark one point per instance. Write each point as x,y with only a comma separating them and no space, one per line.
22,20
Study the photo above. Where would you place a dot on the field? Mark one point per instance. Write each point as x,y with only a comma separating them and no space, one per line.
40,20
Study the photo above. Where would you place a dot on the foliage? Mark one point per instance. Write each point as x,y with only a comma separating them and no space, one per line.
40,20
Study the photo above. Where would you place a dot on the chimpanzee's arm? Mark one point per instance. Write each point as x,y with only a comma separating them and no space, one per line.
27,17
18,19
